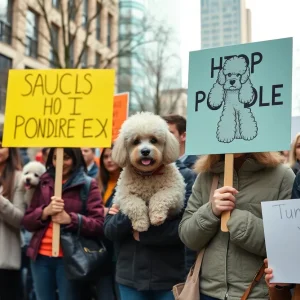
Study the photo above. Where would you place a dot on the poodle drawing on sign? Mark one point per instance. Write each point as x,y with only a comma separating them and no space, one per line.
233,89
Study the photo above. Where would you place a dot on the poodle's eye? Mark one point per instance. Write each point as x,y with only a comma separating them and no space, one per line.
238,75
26,173
153,141
136,142
36,175
229,74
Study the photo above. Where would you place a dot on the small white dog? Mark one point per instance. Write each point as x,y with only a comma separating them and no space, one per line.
150,187
31,177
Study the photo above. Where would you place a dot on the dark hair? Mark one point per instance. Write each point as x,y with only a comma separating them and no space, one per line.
103,175
12,164
74,153
177,120
44,150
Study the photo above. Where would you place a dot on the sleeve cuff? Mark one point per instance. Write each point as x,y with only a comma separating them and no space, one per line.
206,218
74,222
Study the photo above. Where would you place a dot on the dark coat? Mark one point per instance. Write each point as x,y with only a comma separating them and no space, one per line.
93,172
156,262
189,179
190,161
92,224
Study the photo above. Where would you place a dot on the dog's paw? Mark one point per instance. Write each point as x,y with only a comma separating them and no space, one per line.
157,218
141,225
225,137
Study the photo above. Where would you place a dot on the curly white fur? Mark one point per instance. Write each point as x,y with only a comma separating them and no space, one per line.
234,89
31,174
147,199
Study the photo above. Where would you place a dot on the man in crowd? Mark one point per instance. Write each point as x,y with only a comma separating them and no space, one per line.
89,157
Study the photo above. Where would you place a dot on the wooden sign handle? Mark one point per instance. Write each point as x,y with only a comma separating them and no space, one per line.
57,193
228,181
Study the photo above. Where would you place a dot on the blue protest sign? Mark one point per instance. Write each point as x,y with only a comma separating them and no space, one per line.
239,98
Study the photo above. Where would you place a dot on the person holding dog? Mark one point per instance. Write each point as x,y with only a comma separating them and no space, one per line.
12,207
232,259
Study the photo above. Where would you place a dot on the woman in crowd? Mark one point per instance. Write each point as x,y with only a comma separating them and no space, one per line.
12,206
295,154
232,259
48,272
108,176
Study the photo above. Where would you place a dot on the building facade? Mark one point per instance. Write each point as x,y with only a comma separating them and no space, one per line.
32,37
132,15
224,23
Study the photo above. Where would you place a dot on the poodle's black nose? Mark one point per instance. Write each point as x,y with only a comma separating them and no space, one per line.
232,82
145,152
28,180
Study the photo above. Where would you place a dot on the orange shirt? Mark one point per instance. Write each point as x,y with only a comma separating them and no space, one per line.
46,243
112,182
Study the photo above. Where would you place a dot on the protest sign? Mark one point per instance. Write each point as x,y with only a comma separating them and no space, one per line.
282,235
59,108
239,98
120,112
239,101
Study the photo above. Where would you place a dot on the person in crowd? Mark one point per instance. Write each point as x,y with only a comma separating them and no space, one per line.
45,208
24,156
232,259
177,126
269,271
12,206
42,155
295,154
89,157
109,173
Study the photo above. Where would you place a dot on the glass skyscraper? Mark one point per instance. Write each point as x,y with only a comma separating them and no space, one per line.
132,15
224,23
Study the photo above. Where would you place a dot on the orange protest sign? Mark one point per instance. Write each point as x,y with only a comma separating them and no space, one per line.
120,112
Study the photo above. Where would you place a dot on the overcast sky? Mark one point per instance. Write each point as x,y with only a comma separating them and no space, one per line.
271,19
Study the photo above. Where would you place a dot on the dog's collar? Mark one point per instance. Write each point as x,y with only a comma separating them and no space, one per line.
158,171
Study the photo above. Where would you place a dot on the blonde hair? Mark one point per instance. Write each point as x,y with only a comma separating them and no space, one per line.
206,162
292,155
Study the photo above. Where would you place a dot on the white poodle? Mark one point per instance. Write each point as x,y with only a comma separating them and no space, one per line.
234,89
31,177
150,187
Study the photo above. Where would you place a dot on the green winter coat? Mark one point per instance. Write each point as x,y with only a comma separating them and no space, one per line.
232,259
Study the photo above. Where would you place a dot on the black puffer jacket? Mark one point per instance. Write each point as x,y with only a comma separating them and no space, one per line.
156,262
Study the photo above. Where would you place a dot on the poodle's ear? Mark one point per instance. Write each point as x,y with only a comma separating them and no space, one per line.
171,150
221,77
246,93
245,76
119,153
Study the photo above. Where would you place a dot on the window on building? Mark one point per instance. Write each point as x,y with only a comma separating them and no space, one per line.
98,60
98,25
56,3
85,13
84,59
54,46
71,53
109,29
6,20
31,34
5,65
72,9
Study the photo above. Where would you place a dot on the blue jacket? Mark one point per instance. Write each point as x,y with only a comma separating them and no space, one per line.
93,172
